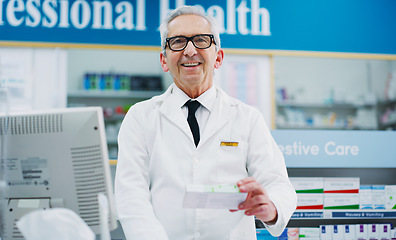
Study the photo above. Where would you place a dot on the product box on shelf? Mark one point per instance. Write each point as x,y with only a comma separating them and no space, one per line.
390,195
309,201
289,234
338,232
384,231
308,232
349,232
263,234
307,184
361,231
121,82
366,197
341,185
393,233
379,197
341,201
326,232
372,232
154,83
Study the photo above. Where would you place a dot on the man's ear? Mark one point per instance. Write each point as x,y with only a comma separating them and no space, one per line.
164,65
219,58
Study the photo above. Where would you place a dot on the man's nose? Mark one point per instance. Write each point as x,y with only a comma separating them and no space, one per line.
190,49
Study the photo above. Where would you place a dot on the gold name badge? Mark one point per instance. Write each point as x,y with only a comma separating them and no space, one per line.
229,144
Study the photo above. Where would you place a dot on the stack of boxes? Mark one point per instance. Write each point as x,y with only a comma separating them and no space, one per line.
342,193
357,232
122,82
333,232
306,233
309,192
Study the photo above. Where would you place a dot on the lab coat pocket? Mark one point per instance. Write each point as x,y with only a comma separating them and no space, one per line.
231,161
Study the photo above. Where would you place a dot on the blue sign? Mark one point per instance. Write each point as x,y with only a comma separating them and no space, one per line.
362,26
337,149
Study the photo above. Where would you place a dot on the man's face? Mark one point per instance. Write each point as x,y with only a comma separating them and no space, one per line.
191,66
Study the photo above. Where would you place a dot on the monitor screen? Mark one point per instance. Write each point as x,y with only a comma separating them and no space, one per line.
56,158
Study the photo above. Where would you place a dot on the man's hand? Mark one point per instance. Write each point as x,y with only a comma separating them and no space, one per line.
257,202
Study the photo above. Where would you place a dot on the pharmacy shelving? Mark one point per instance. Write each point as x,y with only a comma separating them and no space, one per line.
112,94
344,214
343,116
387,115
114,104
368,175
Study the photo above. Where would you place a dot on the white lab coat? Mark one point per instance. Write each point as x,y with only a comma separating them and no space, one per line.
158,159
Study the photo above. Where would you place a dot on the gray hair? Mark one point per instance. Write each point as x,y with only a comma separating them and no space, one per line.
184,10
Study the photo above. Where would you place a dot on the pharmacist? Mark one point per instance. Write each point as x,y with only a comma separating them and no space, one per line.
164,147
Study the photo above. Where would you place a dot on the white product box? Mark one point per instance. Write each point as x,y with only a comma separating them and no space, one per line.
390,195
341,201
341,185
338,232
366,197
393,233
384,231
310,201
361,231
379,197
349,232
307,185
309,232
326,232
372,231
289,234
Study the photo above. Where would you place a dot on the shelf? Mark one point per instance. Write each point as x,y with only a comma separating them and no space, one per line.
388,124
343,214
292,126
322,105
387,103
113,94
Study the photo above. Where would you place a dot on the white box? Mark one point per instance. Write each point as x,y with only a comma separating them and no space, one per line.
309,232
366,197
361,231
309,201
349,232
338,232
307,185
341,201
379,197
326,232
372,231
393,233
341,185
384,231
390,195
219,196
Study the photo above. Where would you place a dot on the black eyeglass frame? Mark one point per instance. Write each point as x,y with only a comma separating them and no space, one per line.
212,40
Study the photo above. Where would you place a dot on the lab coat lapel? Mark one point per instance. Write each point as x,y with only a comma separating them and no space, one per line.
172,111
220,115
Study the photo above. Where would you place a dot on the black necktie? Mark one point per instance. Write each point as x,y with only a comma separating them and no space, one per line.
192,121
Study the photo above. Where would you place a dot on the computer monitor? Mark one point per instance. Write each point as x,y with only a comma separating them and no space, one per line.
56,158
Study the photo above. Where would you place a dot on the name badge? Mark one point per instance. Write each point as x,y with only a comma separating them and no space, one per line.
229,144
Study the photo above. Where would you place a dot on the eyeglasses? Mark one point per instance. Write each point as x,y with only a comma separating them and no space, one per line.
201,41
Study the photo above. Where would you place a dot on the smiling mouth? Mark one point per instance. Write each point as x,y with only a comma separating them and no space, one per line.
191,64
